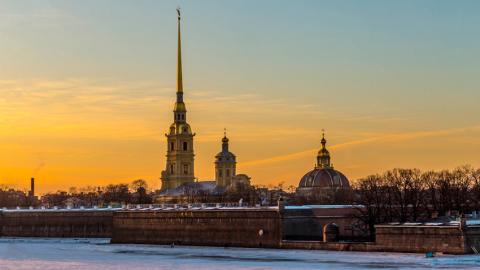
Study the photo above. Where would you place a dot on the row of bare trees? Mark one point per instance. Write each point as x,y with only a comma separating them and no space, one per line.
12,198
412,195
133,193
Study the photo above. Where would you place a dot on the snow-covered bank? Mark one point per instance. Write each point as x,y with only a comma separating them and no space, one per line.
93,254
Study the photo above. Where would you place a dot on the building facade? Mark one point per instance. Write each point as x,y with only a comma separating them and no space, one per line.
225,165
180,155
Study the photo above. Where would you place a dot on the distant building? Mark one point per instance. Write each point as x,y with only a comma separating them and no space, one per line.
239,181
225,165
323,182
226,169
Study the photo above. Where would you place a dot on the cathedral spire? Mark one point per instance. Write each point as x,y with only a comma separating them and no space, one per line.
180,161
180,110
179,58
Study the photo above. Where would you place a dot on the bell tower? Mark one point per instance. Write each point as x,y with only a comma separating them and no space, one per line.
180,156
225,164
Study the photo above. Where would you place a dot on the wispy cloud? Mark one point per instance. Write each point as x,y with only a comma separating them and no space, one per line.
88,102
397,137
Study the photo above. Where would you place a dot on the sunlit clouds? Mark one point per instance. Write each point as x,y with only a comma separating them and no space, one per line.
87,88
77,132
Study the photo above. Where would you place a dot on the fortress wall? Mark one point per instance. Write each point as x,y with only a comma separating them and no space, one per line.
411,239
94,224
307,224
472,235
236,227
229,227
334,246
398,238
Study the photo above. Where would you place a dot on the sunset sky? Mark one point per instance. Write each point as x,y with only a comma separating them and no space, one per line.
87,87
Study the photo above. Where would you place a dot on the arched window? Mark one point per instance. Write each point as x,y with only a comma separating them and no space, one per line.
172,146
185,169
185,146
220,173
172,169
227,173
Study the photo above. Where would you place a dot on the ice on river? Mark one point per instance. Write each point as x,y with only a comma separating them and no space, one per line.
98,254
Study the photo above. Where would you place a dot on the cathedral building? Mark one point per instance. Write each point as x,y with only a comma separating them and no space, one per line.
323,182
178,178
180,156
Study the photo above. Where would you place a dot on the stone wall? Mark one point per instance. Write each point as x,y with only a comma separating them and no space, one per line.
472,235
236,227
56,223
335,246
259,227
403,238
307,222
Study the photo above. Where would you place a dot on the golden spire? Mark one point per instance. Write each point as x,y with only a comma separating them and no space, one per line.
179,105
179,58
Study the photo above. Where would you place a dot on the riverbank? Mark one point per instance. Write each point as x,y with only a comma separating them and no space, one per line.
98,254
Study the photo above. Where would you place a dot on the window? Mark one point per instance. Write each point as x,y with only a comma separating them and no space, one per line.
172,169
172,146
185,146
185,169
227,173
220,173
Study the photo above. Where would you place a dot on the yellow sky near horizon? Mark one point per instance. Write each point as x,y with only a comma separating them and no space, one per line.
95,133
87,88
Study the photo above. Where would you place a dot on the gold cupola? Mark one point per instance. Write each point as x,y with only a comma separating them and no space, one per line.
323,156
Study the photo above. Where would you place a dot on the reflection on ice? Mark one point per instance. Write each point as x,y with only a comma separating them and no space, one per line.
30,253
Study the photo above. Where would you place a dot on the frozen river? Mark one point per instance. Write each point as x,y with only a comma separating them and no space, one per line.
97,254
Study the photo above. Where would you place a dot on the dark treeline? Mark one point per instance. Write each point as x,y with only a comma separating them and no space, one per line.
398,195
136,192
133,193
409,195
13,198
